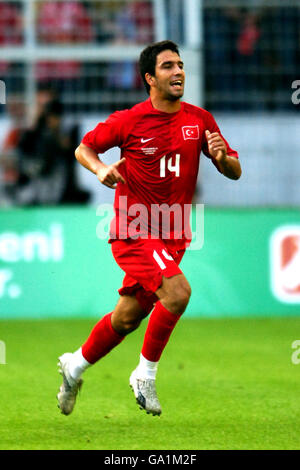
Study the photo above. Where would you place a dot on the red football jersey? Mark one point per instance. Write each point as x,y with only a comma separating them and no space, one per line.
162,152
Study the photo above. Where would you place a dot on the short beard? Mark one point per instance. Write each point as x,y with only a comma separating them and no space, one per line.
173,98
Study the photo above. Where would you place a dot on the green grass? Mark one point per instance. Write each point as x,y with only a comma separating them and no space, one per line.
223,384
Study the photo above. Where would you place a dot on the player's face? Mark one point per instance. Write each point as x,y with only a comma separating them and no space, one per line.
169,76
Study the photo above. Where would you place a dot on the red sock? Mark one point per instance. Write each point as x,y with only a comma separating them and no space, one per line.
102,339
160,326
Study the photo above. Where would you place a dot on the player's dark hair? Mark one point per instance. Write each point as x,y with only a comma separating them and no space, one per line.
148,56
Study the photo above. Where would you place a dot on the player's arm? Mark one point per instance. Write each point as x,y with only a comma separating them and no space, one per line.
217,148
106,174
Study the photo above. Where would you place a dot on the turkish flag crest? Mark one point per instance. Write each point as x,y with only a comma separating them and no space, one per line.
191,132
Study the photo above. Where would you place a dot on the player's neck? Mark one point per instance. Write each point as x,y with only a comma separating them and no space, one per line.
165,106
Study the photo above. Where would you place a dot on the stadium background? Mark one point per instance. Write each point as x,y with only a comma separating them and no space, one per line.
229,378
241,61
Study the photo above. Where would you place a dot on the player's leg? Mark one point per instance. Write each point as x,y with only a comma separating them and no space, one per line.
127,315
173,295
155,268
112,328
106,334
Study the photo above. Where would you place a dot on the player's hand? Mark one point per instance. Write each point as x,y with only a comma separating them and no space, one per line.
109,174
216,146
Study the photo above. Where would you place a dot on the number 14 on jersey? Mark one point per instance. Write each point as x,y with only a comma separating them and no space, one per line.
168,164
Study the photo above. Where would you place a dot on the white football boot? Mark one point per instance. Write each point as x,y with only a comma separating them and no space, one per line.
145,394
69,389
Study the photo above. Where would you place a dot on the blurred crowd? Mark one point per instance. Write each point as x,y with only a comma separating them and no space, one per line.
75,22
252,55
37,163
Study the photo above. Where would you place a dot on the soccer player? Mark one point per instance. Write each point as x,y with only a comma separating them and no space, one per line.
160,140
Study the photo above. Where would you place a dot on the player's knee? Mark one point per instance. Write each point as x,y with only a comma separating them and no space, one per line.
127,315
182,298
179,298
126,324
129,325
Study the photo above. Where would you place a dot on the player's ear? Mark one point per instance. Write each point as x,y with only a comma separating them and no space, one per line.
149,79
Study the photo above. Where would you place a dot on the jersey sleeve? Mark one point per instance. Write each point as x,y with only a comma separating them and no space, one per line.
106,134
212,126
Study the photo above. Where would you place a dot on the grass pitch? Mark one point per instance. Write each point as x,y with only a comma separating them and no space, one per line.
223,384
